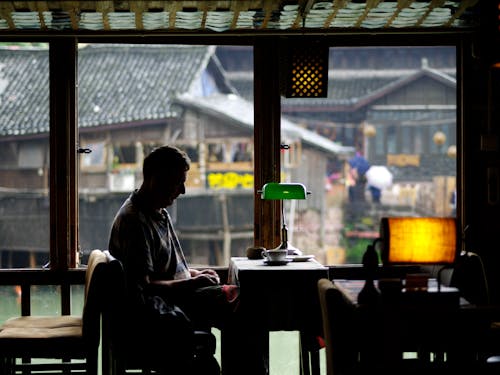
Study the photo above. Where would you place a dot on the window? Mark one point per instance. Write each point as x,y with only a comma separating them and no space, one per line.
411,128
125,156
215,127
95,157
24,156
157,100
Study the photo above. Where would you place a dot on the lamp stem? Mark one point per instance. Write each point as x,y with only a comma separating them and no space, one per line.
283,213
284,229
284,236
292,250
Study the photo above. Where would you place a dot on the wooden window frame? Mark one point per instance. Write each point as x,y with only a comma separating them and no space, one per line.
267,114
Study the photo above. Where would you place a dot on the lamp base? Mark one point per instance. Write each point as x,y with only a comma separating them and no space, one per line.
369,294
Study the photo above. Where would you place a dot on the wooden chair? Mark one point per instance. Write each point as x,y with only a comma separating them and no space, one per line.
337,313
60,338
127,344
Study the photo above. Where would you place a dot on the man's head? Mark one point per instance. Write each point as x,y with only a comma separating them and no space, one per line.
164,174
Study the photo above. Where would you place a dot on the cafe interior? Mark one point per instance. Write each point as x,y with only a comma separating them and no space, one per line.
426,298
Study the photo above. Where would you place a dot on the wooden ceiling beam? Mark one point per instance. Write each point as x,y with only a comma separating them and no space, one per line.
6,9
268,8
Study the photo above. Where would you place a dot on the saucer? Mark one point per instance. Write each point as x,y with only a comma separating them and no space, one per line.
277,262
301,258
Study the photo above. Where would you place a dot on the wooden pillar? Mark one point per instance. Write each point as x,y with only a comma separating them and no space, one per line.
267,140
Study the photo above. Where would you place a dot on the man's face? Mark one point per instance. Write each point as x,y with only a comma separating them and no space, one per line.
168,187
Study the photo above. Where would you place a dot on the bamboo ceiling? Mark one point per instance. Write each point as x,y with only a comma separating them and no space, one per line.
234,16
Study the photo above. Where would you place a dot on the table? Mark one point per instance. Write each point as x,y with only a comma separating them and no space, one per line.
279,298
443,330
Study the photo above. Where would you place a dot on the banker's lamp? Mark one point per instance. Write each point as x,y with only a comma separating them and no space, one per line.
284,191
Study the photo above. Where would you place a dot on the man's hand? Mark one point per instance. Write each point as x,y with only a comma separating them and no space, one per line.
205,276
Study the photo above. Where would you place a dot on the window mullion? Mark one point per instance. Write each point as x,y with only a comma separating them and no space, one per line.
63,144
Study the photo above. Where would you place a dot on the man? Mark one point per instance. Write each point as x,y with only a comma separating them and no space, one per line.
158,277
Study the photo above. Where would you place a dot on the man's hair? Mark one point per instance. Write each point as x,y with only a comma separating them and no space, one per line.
165,158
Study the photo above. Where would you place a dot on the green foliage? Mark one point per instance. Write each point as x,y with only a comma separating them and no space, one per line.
358,221
355,250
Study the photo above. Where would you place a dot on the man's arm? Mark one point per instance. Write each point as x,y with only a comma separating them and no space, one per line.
199,279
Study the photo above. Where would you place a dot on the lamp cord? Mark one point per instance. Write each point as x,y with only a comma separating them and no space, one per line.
483,273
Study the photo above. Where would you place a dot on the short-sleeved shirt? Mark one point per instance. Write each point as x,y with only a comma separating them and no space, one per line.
145,241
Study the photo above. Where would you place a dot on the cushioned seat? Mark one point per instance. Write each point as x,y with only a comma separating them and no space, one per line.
39,321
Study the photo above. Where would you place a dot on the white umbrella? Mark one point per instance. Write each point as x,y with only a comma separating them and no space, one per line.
379,176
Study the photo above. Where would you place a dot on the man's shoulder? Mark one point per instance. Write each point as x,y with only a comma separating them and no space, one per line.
129,211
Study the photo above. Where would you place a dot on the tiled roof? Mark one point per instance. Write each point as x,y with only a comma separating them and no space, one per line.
241,112
24,92
117,84
356,74
411,117
346,88
120,84
236,15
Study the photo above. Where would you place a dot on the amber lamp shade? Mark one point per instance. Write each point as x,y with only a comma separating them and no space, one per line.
418,240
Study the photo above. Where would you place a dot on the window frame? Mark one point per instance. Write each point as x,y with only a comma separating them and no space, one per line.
64,246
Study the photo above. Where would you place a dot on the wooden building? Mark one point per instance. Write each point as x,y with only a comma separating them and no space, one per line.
189,105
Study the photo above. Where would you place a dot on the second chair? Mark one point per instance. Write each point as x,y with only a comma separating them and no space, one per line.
127,343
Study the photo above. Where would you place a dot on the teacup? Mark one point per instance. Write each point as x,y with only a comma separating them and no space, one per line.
275,255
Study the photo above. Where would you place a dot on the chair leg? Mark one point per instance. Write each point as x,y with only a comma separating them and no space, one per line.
25,370
304,355
6,366
309,356
314,360
92,364
10,365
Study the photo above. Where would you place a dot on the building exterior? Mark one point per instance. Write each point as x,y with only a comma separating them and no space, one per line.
132,98
395,105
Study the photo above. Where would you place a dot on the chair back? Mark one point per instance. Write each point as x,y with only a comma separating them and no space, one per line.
127,342
337,313
94,297
115,311
469,277
123,346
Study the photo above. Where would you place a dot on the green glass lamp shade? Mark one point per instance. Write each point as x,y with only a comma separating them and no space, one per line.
279,191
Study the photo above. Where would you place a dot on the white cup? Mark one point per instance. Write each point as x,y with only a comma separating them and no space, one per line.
276,255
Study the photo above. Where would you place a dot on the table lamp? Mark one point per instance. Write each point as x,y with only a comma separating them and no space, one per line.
420,241
282,191
411,241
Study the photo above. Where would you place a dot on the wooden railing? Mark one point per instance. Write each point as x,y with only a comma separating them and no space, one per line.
25,278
